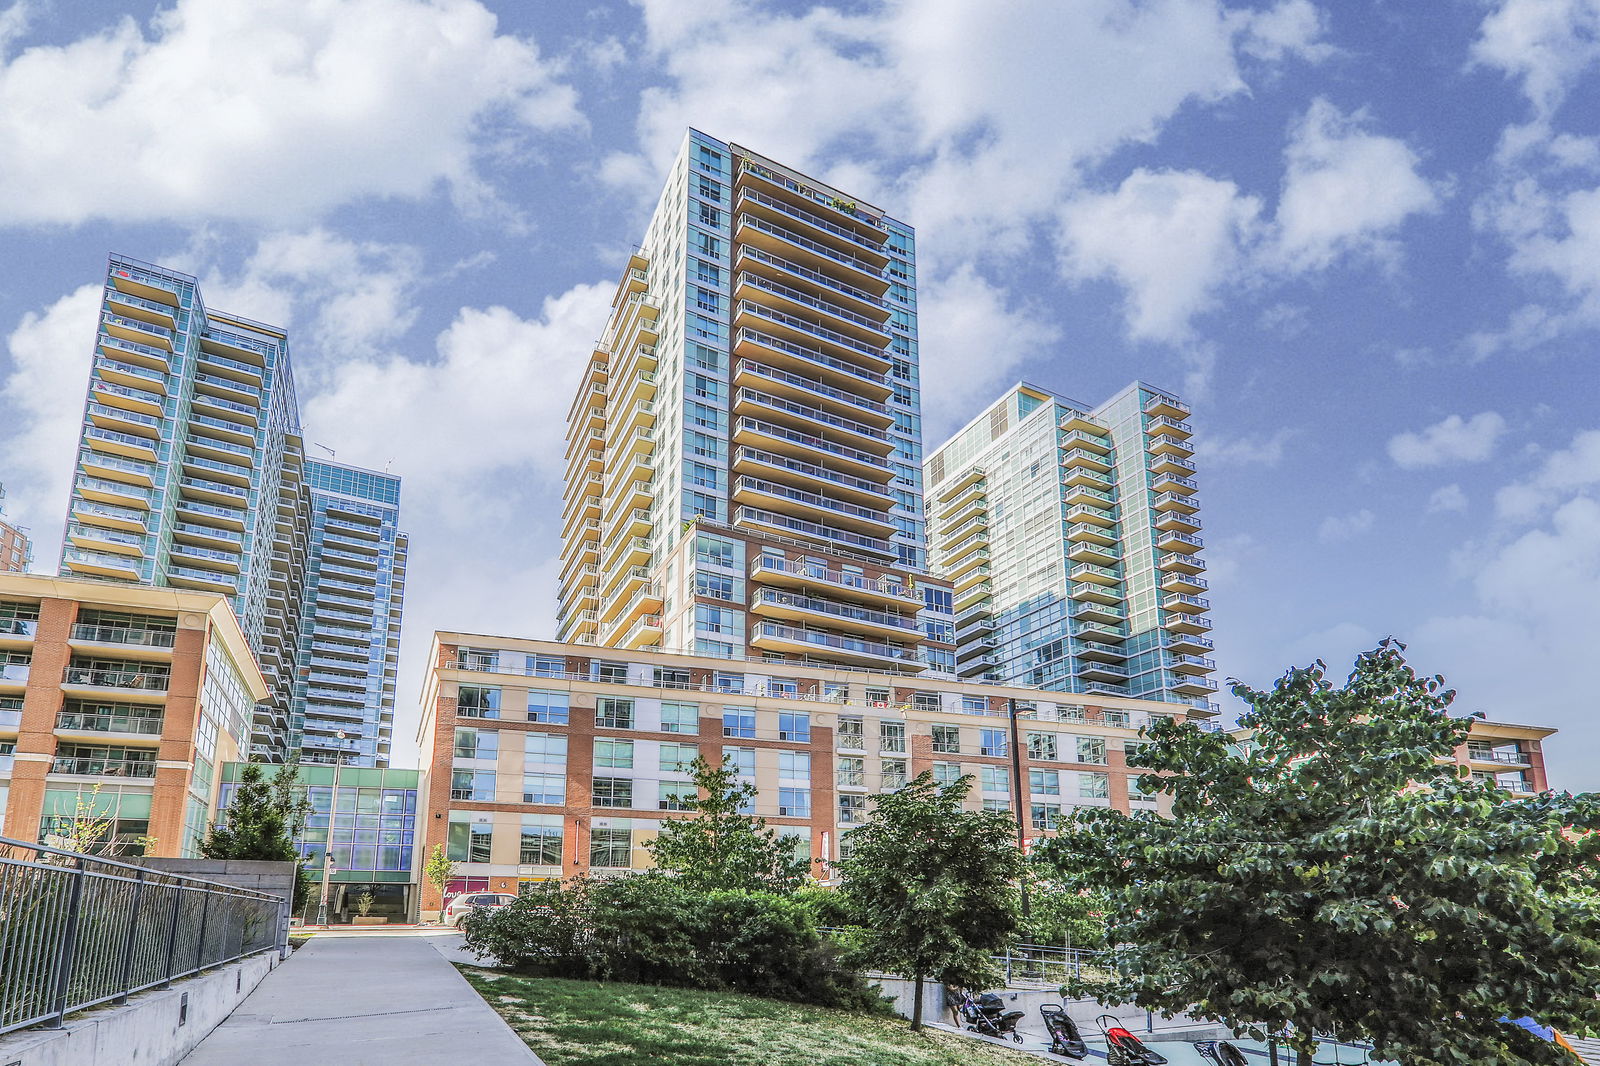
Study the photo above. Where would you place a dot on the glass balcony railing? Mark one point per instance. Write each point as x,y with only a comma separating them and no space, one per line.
888,586
810,328
825,307
832,640
816,277
110,723
95,766
856,238
811,470
130,675
775,598
811,385
820,444
821,358
812,414
227,383
141,637
876,545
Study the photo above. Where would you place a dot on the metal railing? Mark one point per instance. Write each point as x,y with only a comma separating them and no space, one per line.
77,931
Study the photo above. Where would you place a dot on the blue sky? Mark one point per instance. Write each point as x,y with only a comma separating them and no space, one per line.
1362,238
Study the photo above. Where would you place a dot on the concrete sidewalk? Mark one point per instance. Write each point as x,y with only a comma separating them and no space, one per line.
364,1000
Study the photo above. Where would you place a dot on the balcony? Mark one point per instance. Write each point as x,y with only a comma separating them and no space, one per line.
811,199
99,766
1181,582
802,608
1091,592
135,341
1082,475
1177,520
229,517
811,392
1186,623
773,350
1079,495
864,492
1187,604
123,677
749,258
227,408
797,574
804,446
1098,632
1187,643
1095,670
1165,445
1096,516
1095,651
1089,533
137,400
1092,611
206,490
969,596
119,442
813,505
869,438
225,342
1178,562
1100,575
1083,457
1182,543
227,388
1174,485
781,523
115,468
1166,406
199,578
868,247
160,314
772,636
1189,664
1169,463
101,564
1193,685
851,269
1170,427
221,560
805,332
76,722
974,665
232,369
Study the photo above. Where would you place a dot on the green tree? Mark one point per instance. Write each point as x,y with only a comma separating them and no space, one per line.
260,823
932,885
722,847
1060,915
1337,874
438,871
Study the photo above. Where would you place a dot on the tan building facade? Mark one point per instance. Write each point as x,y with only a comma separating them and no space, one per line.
121,703
544,759
15,550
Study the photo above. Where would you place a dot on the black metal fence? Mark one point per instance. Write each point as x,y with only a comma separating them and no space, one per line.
78,930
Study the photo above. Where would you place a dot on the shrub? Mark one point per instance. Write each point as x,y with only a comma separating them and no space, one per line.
652,928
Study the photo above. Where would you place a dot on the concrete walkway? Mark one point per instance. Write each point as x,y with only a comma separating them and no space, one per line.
366,999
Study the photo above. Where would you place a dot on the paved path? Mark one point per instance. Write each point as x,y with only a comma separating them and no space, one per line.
365,999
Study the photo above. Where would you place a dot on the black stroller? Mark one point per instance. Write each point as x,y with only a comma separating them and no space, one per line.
1064,1036
1221,1052
987,1014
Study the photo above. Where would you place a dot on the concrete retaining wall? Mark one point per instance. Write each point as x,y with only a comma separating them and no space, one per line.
155,1028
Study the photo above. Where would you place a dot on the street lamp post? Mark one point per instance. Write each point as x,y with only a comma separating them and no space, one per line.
328,865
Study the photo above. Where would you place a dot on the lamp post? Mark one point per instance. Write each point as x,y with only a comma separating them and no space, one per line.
328,865
1019,798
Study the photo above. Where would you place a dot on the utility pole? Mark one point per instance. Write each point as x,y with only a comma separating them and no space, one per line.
1017,793
327,845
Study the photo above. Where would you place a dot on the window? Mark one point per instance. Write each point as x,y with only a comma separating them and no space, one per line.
947,739
1042,746
549,666
548,707
477,701
946,773
852,811
783,689
997,805
730,683
477,744
710,188
992,742
1044,782
611,848
673,677
679,717
740,723
611,673
541,845
1134,791
674,795
995,779
549,789
719,586
925,701
1094,786
851,732
891,736
678,758
835,691
892,774
716,551
547,749
795,727
475,785
852,772
742,760
974,704
1092,750
612,713
708,244
1045,815
943,632
794,765
613,754
794,803
613,792
720,620
937,599
469,841
878,697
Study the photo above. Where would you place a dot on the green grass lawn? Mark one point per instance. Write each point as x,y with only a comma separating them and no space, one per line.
585,1023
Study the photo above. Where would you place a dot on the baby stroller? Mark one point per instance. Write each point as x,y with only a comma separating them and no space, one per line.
987,1014
1064,1036
1221,1052
1123,1048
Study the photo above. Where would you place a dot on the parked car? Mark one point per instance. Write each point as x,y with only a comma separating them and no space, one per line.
468,902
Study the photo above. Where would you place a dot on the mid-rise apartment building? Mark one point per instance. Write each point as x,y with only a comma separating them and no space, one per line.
118,705
16,550
349,648
544,759
744,454
191,474
1071,535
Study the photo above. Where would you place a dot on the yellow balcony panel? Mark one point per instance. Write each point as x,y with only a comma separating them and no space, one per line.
194,577
97,538
807,391
1170,427
226,473
1098,442
214,405
161,313
1190,664
124,519
116,493
136,342
1163,406
1185,604
129,376
1092,515
751,260
977,664
636,387
1186,623
853,372
1171,463
1086,532
827,228
1168,483
816,507
1177,520
1176,501
117,442
1188,643
226,388
788,242
200,512
1104,613
1165,445
1079,420
1083,475
1179,562
1177,581
1099,575
813,303
645,632
206,536
1089,551
814,450
1193,685
1101,653
1090,592
1100,633
1102,670
819,477
973,595
221,451
810,333
1183,543
1082,457
228,345
214,558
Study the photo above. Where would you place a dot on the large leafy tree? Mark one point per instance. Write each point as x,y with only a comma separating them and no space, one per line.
1337,874
932,885
722,846
261,822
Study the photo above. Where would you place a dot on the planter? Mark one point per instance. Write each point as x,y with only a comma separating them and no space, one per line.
370,920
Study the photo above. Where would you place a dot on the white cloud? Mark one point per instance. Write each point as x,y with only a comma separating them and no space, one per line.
1545,44
1346,190
1256,449
973,342
1293,27
1338,528
1574,470
1532,631
1168,237
1447,499
50,352
270,110
1453,440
